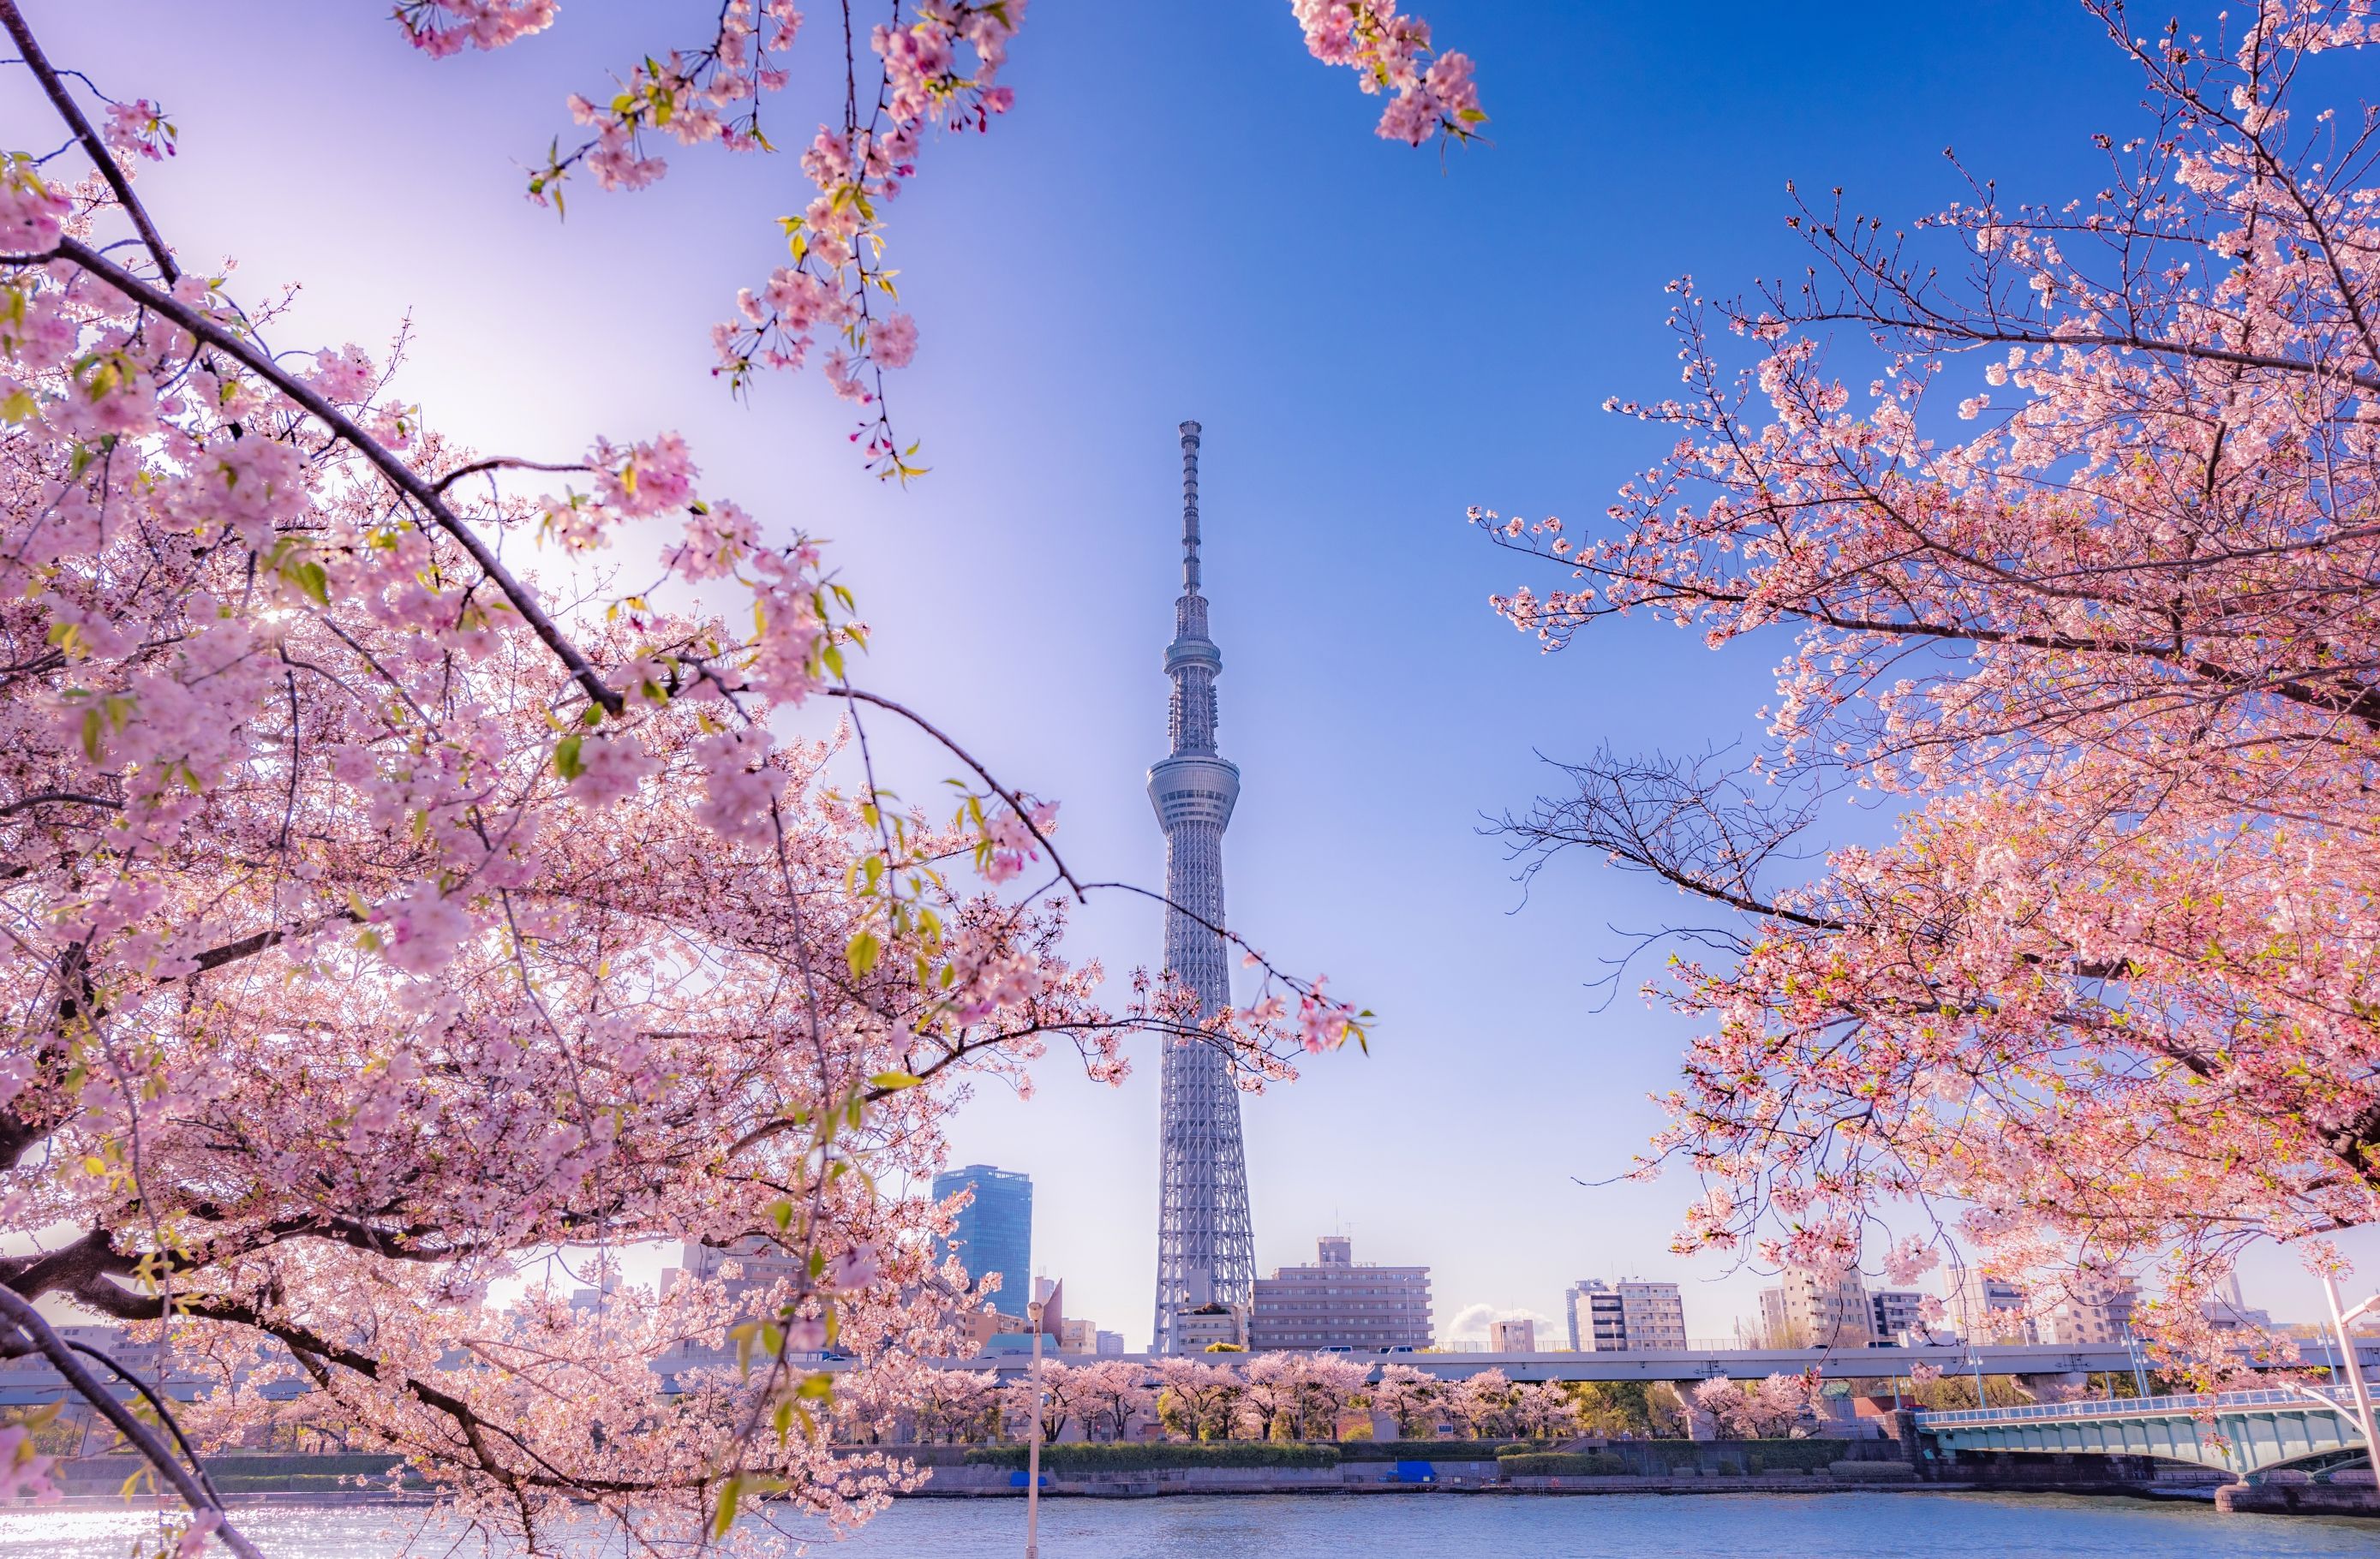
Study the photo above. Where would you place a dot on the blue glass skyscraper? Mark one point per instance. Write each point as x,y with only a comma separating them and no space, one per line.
995,1231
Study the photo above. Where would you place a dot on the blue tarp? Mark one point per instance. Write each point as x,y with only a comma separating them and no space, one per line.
1016,1479
1415,1472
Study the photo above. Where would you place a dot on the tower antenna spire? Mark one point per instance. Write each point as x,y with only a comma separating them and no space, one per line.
1189,508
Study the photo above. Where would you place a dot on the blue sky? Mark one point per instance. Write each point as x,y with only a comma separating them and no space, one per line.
1186,217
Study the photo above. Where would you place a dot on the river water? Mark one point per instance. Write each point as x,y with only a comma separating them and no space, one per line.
1415,1526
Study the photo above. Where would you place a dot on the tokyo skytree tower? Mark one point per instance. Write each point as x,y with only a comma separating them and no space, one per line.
1206,1251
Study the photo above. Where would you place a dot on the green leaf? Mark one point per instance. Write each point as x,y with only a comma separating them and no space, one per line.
566,761
863,952
310,578
729,1493
894,1080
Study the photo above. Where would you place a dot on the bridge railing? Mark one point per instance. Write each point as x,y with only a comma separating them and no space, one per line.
2125,1407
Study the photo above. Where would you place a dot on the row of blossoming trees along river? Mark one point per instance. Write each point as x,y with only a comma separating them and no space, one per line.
378,918
1298,1396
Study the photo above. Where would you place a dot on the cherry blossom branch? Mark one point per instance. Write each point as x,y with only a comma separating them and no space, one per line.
504,463
397,472
1018,804
94,146
157,1405
39,1335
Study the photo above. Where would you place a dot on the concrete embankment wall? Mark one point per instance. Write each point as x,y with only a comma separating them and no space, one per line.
1368,1478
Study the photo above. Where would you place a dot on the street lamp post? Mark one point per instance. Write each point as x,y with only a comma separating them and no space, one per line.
1033,1445
2354,1365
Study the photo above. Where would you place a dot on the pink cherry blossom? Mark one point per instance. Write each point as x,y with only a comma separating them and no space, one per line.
139,129
611,770
24,1473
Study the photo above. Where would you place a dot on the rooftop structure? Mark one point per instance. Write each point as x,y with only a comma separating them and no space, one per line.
1205,1247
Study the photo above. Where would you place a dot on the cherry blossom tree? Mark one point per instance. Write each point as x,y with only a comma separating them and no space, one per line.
385,923
1413,1399
1298,1395
1057,1395
952,1405
1111,1397
2076,554
1199,1399
1479,1404
1724,1403
1266,1407
1329,1385
1780,1403
1541,1412
1770,1410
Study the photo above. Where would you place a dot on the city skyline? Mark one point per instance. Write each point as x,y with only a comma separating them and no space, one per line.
582,902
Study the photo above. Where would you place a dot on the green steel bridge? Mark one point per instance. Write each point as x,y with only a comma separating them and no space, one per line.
2242,1432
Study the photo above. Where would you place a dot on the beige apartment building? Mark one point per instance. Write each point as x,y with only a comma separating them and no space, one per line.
1810,1309
1339,1303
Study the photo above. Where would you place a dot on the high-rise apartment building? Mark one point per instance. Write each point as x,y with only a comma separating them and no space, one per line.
1593,1312
1772,1319
1981,1309
1339,1303
2092,1313
1631,1316
1894,1313
1652,1314
1811,1308
994,1232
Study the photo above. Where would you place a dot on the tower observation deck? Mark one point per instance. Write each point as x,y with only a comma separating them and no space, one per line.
1206,1251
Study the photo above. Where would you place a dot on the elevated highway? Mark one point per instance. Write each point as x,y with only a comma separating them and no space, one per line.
1859,1363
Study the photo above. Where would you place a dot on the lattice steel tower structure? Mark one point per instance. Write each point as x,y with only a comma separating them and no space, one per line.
1205,1253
